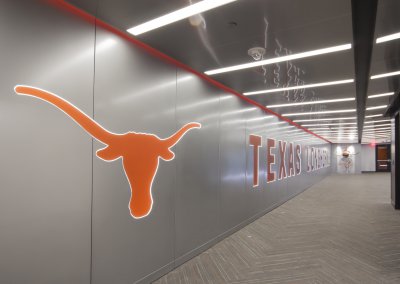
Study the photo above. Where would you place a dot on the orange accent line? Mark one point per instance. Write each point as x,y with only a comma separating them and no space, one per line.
156,53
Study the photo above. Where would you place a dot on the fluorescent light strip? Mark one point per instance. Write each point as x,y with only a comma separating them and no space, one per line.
280,59
316,129
336,132
259,118
330,130
312,103
341,137
299,87
319,112
377,130
177,15
378,133
380,127
375,136
328,124
376,107
385,75
344,128
381,95
324,119
388,38
373,115
383,120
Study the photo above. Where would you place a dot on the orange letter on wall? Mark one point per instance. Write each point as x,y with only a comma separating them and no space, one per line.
270,160
282,154
255,141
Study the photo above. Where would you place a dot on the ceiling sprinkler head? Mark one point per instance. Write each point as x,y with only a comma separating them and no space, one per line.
256,52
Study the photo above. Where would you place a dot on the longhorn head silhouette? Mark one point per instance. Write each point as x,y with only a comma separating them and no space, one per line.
140,152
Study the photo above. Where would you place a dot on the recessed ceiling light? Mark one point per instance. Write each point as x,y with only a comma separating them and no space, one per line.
299,87
381,95
312,102
373,115
324,119
385,75
177,15
376,107
388,38
319,112
280,59
329,124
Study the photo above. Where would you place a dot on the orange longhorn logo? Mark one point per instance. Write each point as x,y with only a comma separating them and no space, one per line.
140,152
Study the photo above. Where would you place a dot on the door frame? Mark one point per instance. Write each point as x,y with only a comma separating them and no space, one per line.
388,169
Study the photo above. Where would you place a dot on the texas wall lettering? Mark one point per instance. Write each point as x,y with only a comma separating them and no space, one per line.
283,159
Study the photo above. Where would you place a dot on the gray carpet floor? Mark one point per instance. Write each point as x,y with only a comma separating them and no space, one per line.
342,230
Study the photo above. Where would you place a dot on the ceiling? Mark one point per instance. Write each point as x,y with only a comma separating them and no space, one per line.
222,37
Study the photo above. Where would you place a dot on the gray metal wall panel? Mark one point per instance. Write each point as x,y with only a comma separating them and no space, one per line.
234,207
197,199
45,162
133,92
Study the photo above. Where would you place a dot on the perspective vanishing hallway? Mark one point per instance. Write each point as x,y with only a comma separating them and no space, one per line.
342,230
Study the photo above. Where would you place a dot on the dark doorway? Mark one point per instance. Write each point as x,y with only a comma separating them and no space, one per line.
383,161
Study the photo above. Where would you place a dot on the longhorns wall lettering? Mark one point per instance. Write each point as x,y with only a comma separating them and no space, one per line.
139,152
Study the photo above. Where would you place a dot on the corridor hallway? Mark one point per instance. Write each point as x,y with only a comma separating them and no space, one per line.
341,230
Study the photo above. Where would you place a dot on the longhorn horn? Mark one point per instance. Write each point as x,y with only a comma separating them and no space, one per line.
84,121
173,139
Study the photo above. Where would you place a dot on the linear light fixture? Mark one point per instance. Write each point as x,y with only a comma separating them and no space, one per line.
381,95
377,132
373,115
280,59
374,121
388,126
344,128
330,130
299,87
385,75
388,38
260,118
382,129
324,119
336,132
329,124
319,112
312,102
385,126
376,107
316,129
177,15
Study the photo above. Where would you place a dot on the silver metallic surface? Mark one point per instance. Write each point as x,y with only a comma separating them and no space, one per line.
46,159
64,212
133,92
